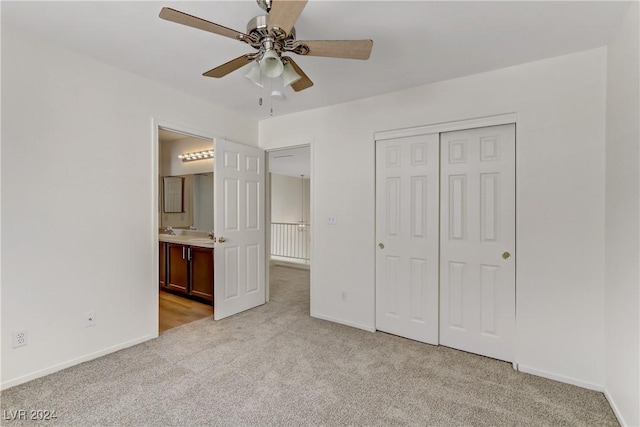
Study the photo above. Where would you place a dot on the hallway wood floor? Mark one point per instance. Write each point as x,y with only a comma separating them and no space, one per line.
176,311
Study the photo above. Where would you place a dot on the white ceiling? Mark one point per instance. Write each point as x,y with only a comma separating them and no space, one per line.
415,42
167,136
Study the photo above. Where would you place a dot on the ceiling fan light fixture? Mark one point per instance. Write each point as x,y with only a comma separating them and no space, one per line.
272,35
254,75
271,65
289,75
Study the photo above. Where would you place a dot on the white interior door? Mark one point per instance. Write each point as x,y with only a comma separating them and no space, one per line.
239,255
477,234
407,237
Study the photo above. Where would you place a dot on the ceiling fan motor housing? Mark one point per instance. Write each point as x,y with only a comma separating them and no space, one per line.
258,29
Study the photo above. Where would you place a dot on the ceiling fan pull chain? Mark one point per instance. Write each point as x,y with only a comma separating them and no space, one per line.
271,97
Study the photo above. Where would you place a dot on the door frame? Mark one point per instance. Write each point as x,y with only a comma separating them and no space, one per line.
156,125
268,212
472,123
477,122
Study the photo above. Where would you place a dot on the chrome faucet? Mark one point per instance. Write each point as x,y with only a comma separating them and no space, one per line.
211,235
170,231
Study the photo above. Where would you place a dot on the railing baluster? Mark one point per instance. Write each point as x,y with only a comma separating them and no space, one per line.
288,241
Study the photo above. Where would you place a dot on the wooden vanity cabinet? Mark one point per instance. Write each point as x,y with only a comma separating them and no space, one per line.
201,273
177,268
163,264
190,270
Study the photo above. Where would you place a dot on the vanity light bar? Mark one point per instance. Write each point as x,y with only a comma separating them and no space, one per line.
197,155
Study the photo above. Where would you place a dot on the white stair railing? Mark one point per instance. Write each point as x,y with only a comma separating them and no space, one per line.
290,240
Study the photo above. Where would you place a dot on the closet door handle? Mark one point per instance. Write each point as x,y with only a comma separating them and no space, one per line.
189,254
183,248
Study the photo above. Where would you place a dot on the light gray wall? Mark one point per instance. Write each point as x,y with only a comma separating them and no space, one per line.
560,107
170,164
287,199
78,166
622,251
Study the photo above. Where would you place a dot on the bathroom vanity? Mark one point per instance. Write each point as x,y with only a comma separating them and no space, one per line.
186,265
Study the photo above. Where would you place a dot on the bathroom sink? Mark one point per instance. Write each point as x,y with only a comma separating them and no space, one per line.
207,241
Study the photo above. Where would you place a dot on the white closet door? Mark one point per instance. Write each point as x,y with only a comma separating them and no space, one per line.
407,237
477,234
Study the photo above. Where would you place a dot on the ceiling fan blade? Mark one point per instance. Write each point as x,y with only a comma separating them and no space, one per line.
302,84
193,21
349,49
230,66
284,14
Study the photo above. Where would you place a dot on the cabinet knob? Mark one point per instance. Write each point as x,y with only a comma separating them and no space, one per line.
506,255
221,239
381,245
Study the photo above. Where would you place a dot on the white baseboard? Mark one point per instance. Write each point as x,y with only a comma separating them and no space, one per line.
60,366
290,263
343,322
561,378
615,409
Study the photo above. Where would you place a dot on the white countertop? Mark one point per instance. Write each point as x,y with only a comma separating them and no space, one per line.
185,237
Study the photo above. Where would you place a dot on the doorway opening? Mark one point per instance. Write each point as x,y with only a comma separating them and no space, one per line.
185,213
289,207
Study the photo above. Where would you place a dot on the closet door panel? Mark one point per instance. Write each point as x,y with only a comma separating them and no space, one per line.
477,243
407,237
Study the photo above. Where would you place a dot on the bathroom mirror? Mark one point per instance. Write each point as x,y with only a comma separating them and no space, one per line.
197,201
203,201
173,194
185,190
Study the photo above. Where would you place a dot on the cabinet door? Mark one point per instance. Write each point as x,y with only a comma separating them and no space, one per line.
163,264
202,272
178,267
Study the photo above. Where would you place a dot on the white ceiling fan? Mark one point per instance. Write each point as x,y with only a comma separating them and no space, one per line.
273,35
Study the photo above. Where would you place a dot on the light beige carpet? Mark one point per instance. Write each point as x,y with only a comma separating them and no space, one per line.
276,366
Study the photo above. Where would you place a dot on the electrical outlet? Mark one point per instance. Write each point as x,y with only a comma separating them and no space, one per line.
89,319
332,220
20,338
